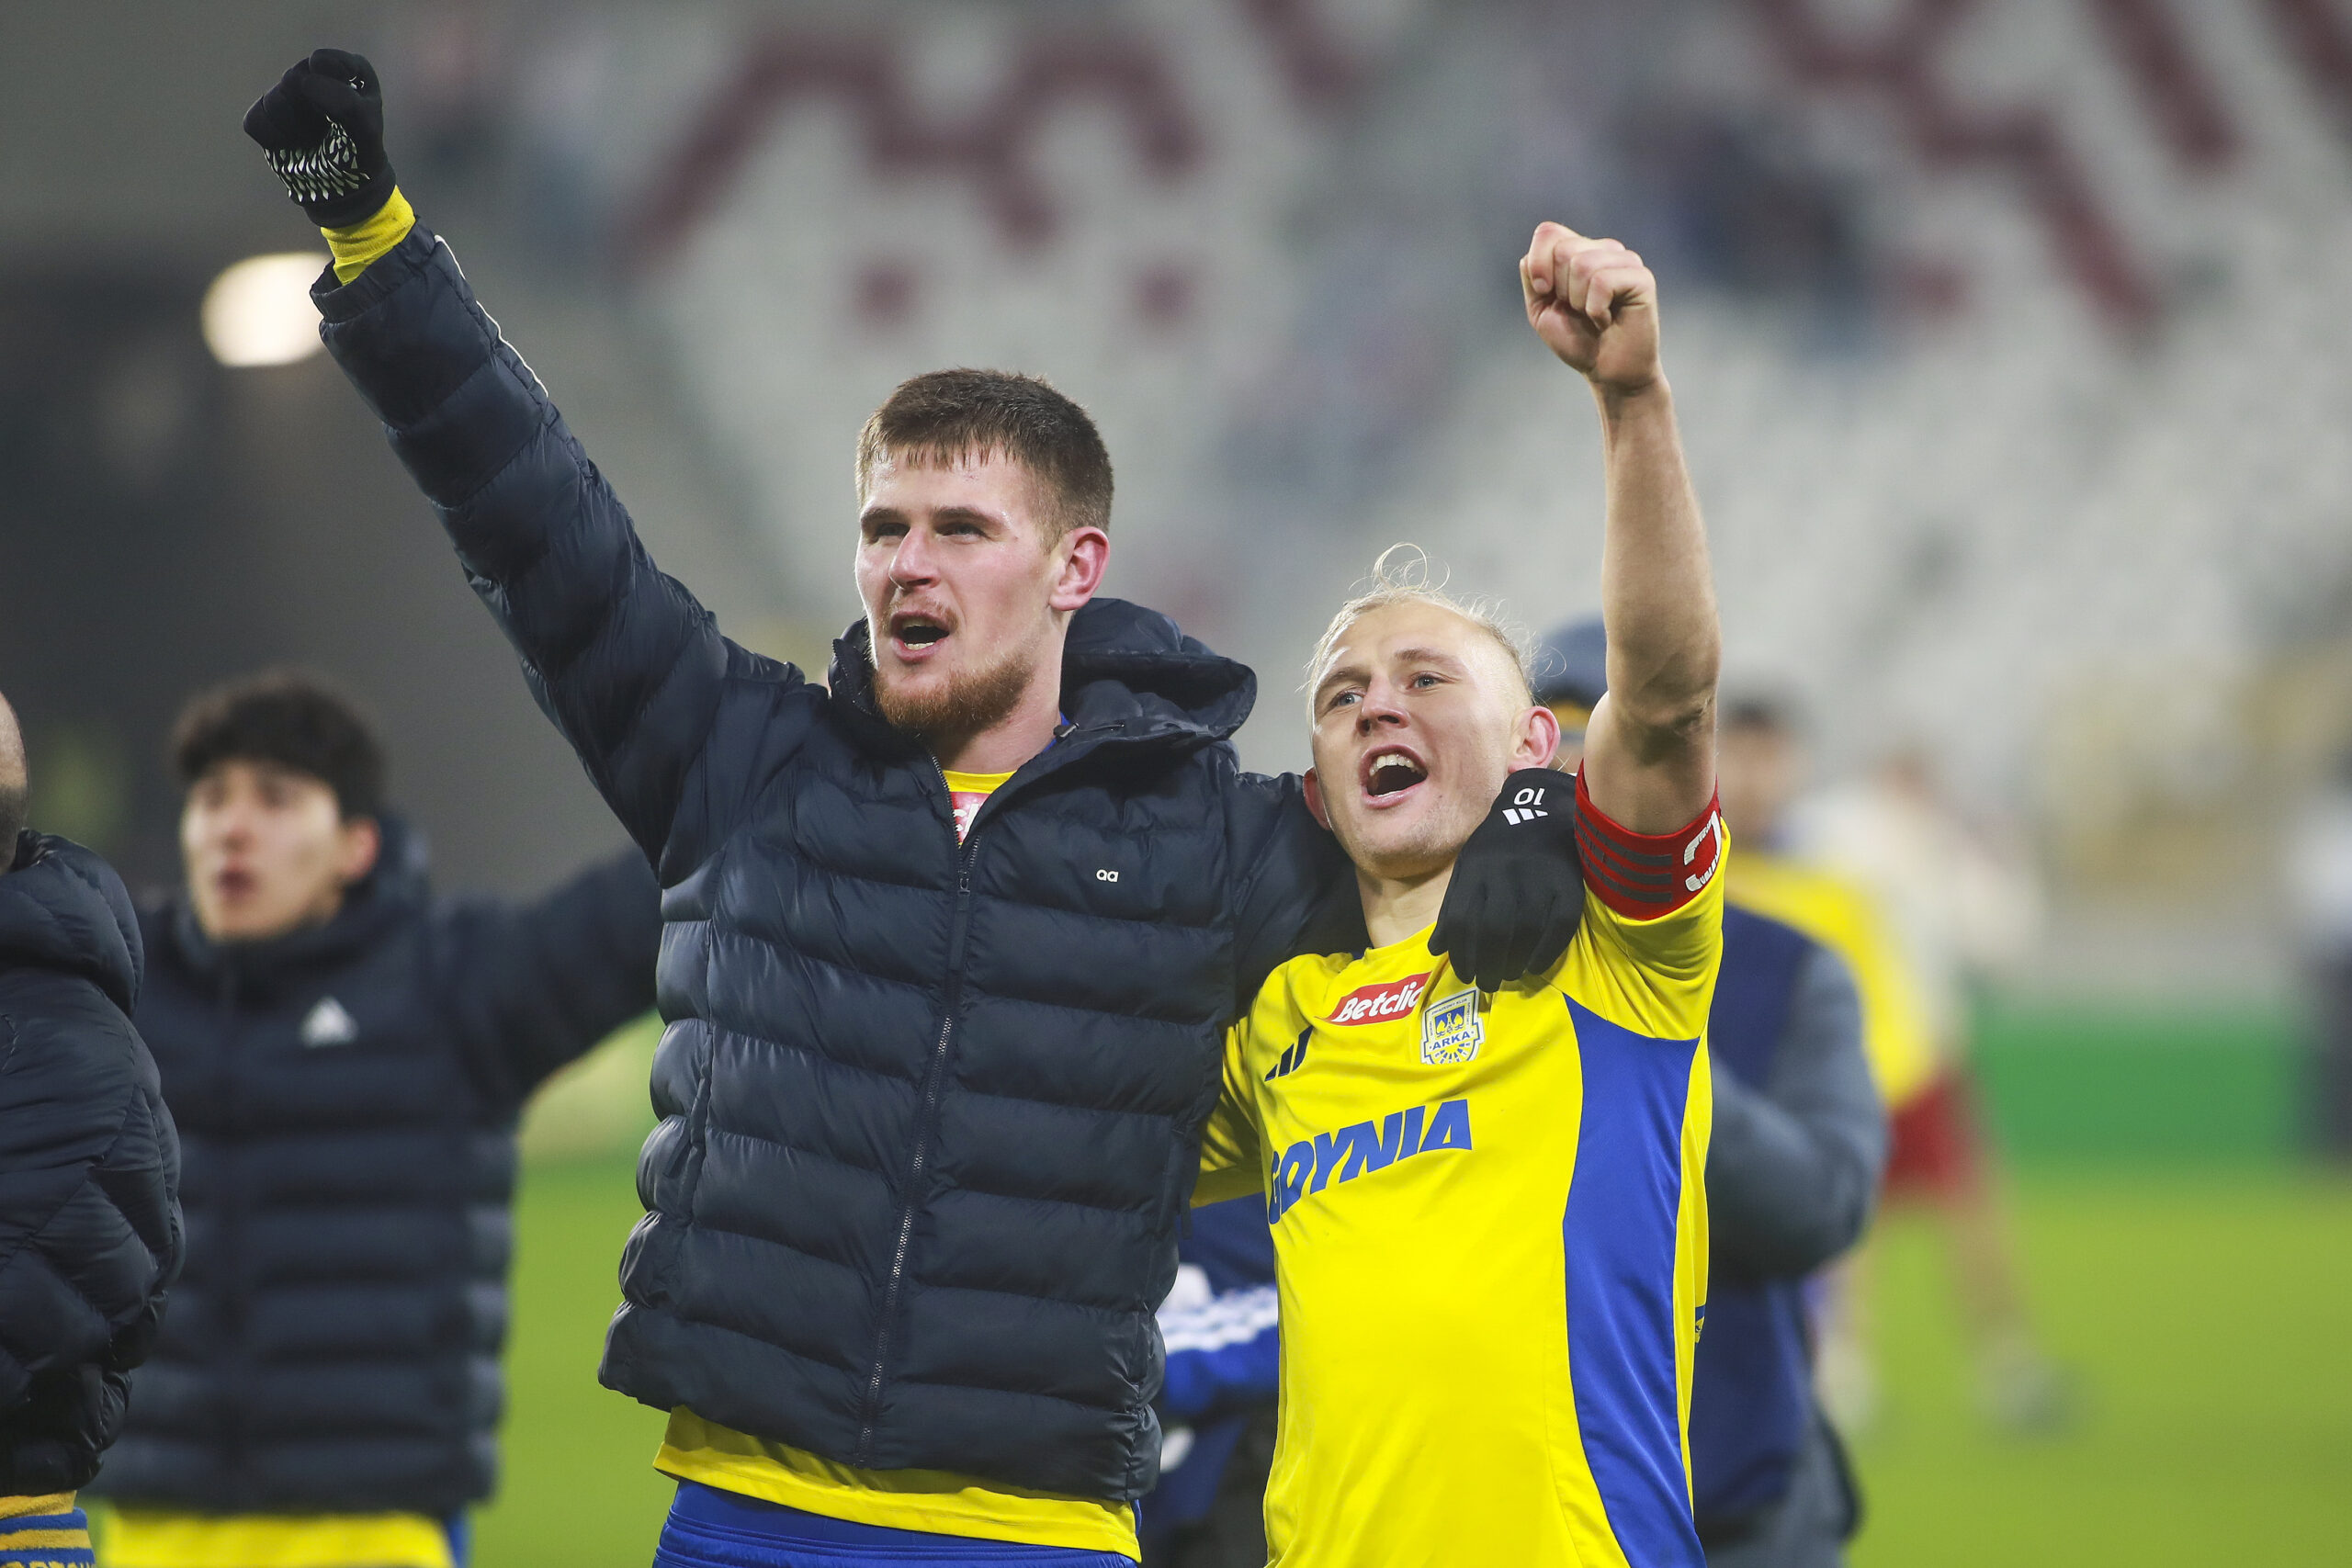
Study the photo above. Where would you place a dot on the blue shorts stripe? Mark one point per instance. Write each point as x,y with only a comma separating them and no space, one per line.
1624,1209
708,1528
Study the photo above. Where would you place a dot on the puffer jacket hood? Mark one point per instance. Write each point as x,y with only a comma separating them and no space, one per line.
63,908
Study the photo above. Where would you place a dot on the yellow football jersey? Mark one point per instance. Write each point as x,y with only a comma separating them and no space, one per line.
1489,1220
1841,916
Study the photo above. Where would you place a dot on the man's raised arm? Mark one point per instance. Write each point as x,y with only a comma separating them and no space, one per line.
1649,760
624,661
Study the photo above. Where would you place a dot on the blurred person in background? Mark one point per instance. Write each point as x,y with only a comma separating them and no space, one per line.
1884,878
956,937
1217,1404
347,1058
2319,881
1799,1142
89,1173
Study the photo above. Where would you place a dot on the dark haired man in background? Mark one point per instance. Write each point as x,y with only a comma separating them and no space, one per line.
89,1220
347,1059
955,937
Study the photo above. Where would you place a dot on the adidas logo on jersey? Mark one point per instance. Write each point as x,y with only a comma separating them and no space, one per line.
1312,1164
1375,1004
1293,1059
329,1024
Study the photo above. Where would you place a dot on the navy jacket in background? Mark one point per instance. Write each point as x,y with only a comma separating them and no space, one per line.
89,1168
1223,1330
1793,1166
348,1098
930,1112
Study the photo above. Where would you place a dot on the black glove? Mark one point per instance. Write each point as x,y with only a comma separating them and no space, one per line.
322,128
51,1442
1517,888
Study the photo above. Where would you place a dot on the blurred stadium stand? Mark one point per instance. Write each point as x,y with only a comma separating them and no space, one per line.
2011,338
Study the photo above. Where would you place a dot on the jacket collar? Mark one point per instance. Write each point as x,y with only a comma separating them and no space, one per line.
63,908
392,893
1130,677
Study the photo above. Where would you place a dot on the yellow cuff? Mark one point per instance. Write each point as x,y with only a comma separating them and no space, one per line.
354,247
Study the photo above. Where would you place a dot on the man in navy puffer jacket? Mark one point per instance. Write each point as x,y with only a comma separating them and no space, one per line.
952,943
346,1057
89,1168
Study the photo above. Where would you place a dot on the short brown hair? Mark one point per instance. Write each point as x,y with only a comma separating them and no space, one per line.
291,718
944,415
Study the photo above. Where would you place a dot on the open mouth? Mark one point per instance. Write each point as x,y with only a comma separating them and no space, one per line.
915,632
1391,773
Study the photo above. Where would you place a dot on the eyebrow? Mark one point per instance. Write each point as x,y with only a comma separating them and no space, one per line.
966,514
1337,674
874,515
1353,670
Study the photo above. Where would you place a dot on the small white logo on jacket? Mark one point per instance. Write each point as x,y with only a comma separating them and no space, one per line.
328,1024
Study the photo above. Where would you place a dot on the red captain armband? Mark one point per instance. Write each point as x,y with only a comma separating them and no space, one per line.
1643,875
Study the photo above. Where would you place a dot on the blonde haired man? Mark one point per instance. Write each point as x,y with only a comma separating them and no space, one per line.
1488,1212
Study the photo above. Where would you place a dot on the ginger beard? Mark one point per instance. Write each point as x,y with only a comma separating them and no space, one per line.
969,701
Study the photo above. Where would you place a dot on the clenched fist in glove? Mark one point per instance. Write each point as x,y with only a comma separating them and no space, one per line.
322,128
1518,888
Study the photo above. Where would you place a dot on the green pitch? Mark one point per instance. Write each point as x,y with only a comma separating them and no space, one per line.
2208,1317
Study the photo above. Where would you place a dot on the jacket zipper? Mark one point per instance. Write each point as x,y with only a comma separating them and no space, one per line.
932,1082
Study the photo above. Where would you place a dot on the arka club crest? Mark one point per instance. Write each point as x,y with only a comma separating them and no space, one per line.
1450,1030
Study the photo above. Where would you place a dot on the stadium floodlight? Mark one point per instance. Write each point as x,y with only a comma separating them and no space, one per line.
259,311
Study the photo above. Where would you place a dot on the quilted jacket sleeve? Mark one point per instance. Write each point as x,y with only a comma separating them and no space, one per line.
89,1227
533,987
1792,1170
1294,891
631,669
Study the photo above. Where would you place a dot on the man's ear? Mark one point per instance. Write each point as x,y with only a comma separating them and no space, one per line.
1315,800
1536,740
360,841
1083,554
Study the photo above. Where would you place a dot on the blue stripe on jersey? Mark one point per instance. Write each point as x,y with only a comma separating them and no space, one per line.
1625,1203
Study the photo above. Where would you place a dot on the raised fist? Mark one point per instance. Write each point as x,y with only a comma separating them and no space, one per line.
322,128
1595,305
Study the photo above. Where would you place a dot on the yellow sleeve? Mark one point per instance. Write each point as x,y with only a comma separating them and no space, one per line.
1230,1166
362,242
1645,954
1655,976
